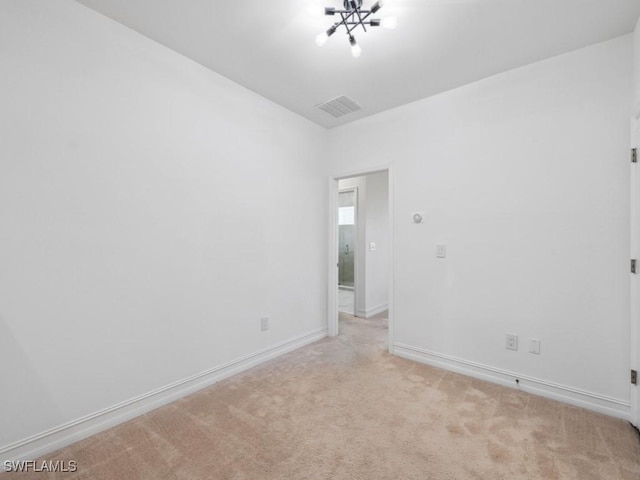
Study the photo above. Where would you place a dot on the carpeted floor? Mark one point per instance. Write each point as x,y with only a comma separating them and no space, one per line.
344,409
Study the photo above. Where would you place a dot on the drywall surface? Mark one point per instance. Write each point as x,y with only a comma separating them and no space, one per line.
147,206
525,178
636,70
377,233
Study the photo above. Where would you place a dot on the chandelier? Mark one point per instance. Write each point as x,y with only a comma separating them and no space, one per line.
352,17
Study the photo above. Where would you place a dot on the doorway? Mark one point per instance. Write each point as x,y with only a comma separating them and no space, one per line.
347,245
361,262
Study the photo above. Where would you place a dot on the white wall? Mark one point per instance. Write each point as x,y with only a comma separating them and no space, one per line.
372,273
377,231
147,209
525,177
636,69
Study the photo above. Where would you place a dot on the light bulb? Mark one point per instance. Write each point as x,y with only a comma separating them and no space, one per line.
321,39
355,48
389,23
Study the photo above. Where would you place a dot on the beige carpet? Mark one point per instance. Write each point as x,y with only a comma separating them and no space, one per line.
343,408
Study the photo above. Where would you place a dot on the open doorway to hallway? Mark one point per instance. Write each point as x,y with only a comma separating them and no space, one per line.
363,247
347,245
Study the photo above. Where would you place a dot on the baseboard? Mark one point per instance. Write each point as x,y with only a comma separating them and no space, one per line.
592,401
370,312
59,437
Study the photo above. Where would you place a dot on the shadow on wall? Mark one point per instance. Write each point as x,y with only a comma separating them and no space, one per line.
23,390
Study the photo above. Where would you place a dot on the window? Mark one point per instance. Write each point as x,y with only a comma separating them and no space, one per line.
347,215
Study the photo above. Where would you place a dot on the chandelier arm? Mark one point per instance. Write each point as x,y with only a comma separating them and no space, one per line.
343,21
350,11
360,19
354,23
367,13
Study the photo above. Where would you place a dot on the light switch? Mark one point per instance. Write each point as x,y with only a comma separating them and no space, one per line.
441,251
372,246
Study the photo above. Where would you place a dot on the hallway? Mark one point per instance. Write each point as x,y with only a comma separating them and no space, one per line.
346,301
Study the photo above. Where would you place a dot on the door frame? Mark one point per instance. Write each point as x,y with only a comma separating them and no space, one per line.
356,250
634,311
332,261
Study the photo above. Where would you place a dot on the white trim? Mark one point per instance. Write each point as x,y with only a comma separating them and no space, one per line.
634,281
574,396
61,436
392,262
332,275
370,312
361,173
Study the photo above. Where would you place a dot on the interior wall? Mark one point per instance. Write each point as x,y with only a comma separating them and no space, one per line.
377,232
636,67
525,177
147,207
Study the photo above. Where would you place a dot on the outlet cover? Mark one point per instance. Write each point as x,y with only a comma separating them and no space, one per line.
512,342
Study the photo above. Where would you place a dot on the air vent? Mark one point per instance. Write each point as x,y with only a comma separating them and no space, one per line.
339,107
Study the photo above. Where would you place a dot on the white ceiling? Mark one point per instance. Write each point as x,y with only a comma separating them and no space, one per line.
269,46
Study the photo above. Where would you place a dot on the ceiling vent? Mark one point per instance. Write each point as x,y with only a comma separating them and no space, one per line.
339,107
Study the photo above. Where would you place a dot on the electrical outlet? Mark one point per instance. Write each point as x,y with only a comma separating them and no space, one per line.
264,323
534,346
512,342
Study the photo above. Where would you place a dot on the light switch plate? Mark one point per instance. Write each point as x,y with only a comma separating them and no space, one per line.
534,346
441,251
